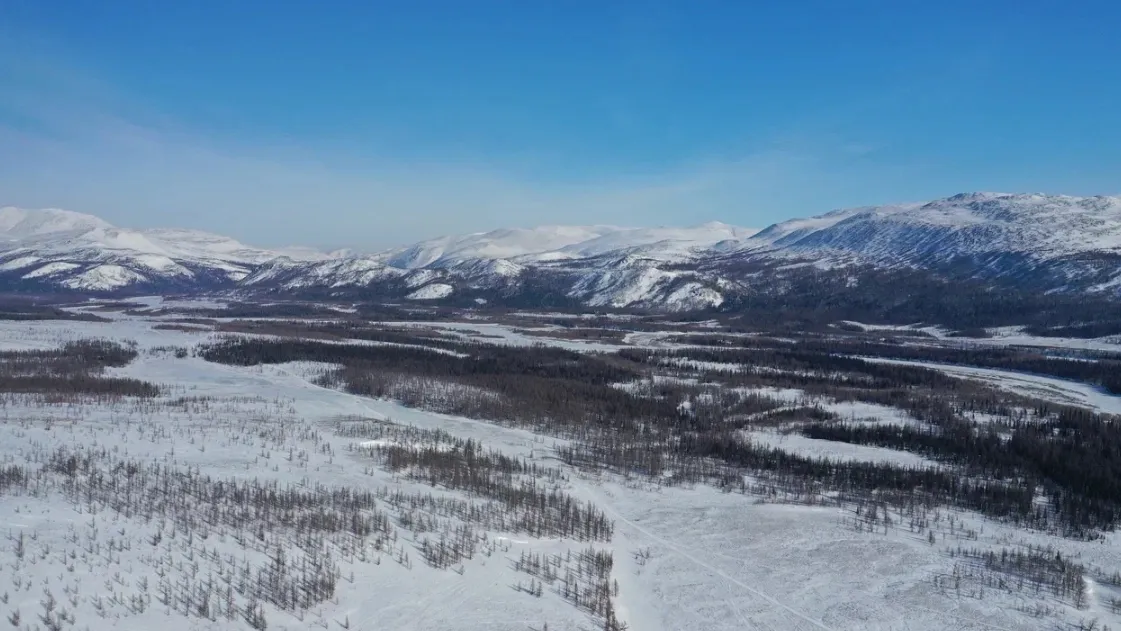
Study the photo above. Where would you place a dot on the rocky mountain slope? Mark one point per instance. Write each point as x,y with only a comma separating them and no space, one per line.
67,250
1029,241
1061,241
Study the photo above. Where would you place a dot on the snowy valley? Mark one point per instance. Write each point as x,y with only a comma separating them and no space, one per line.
199,464
560,316
883,418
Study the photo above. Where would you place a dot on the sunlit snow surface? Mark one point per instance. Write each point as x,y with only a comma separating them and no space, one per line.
685,558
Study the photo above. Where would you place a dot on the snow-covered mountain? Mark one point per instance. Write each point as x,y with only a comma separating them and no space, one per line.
551,243
69,250
497,244
1044,226
593,265
1044,242
1055,241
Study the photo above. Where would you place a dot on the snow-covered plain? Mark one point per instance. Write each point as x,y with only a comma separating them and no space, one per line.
684,558
817,448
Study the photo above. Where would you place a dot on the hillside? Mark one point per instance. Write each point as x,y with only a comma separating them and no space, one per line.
1019,242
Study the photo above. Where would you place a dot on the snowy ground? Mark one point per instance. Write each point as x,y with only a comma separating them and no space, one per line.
507,335
1000,336
684,558
1015,336
817,448
1048,388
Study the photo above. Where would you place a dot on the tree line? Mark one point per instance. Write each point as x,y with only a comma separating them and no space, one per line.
73,370
628,412
806,298
808,353
1073,456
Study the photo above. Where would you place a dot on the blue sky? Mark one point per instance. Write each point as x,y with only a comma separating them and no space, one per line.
370,124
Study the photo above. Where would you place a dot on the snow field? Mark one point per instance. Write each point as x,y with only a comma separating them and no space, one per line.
684,558
246,438
818,448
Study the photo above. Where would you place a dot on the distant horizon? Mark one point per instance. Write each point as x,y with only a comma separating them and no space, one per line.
374,249
328,248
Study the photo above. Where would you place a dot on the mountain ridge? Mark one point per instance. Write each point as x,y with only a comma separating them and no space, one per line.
1036,241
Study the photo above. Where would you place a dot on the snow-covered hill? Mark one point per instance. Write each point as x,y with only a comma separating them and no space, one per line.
63,249
549,243
1041,242
1045,242
497,244
995,234
592,265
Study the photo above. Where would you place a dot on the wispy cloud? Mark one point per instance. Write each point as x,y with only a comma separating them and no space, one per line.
72,141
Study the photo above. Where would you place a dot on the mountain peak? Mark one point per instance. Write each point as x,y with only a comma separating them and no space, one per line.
966,226
1055,241
24,223
976,196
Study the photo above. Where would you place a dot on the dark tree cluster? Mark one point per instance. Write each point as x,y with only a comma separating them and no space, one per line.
1030,569
537,386
1097,328
669,416
1023,447
923,393
69,386
992,497
1103,369
468,359
1074,456
73,370
83,356
583,579
13,477
528,493
47,313
805,298
613,334
802,366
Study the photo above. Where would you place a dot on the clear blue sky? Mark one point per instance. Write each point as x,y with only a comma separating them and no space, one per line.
366,124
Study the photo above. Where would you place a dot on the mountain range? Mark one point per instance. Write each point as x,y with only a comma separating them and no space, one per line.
1046,243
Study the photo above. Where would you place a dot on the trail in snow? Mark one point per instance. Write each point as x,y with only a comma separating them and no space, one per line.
695,558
